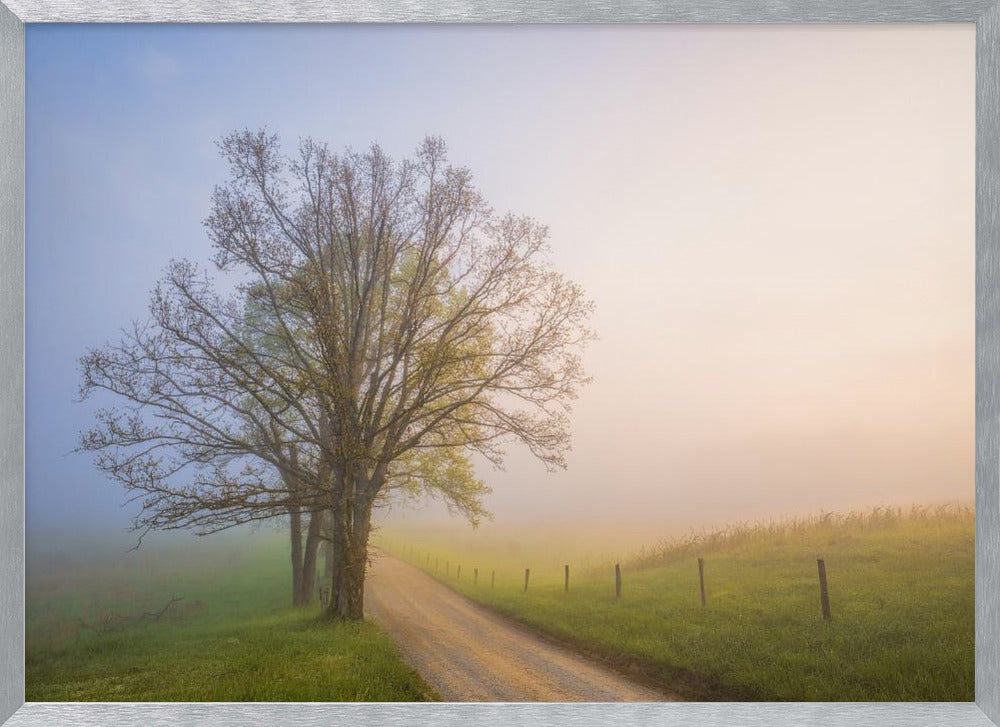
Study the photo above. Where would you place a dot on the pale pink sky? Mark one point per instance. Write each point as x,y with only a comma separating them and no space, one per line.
777,225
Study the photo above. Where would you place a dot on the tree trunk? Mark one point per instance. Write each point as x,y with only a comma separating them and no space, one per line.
350,558
307,583
349,604
296,528
329,556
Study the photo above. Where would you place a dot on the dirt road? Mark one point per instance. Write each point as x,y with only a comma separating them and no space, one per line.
468,654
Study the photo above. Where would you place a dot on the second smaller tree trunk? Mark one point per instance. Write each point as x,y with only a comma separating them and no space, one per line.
329,562
307,582
296,536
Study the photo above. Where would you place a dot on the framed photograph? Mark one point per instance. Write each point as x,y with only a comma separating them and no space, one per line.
535,363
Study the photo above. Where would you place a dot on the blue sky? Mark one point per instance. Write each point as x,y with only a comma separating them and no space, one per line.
775,223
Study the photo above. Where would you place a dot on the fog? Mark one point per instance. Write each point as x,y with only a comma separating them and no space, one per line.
776,226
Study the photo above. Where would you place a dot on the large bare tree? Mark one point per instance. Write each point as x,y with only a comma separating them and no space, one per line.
388,326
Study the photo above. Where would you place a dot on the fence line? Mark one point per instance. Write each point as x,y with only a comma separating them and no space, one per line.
619,590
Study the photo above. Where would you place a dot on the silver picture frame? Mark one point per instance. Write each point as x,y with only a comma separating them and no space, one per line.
985,14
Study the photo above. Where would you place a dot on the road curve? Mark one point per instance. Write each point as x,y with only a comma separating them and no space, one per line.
468,654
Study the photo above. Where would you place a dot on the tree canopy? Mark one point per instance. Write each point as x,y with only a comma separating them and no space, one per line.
388,325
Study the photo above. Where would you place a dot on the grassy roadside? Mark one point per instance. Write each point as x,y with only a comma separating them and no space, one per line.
231,638
901,587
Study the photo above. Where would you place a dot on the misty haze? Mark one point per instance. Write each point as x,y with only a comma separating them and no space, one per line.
657,342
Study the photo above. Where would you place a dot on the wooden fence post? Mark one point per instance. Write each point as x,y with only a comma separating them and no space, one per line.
824,594
618,580
447,567
701,579
437,564
458,572
527,572
475,576
566,585
493,579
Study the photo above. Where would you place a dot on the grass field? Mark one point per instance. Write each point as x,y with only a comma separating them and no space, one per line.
232,637
901,589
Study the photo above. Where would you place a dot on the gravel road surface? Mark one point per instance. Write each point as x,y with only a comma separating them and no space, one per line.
468,654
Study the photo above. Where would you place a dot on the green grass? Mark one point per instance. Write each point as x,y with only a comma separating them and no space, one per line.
901,591
232,637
